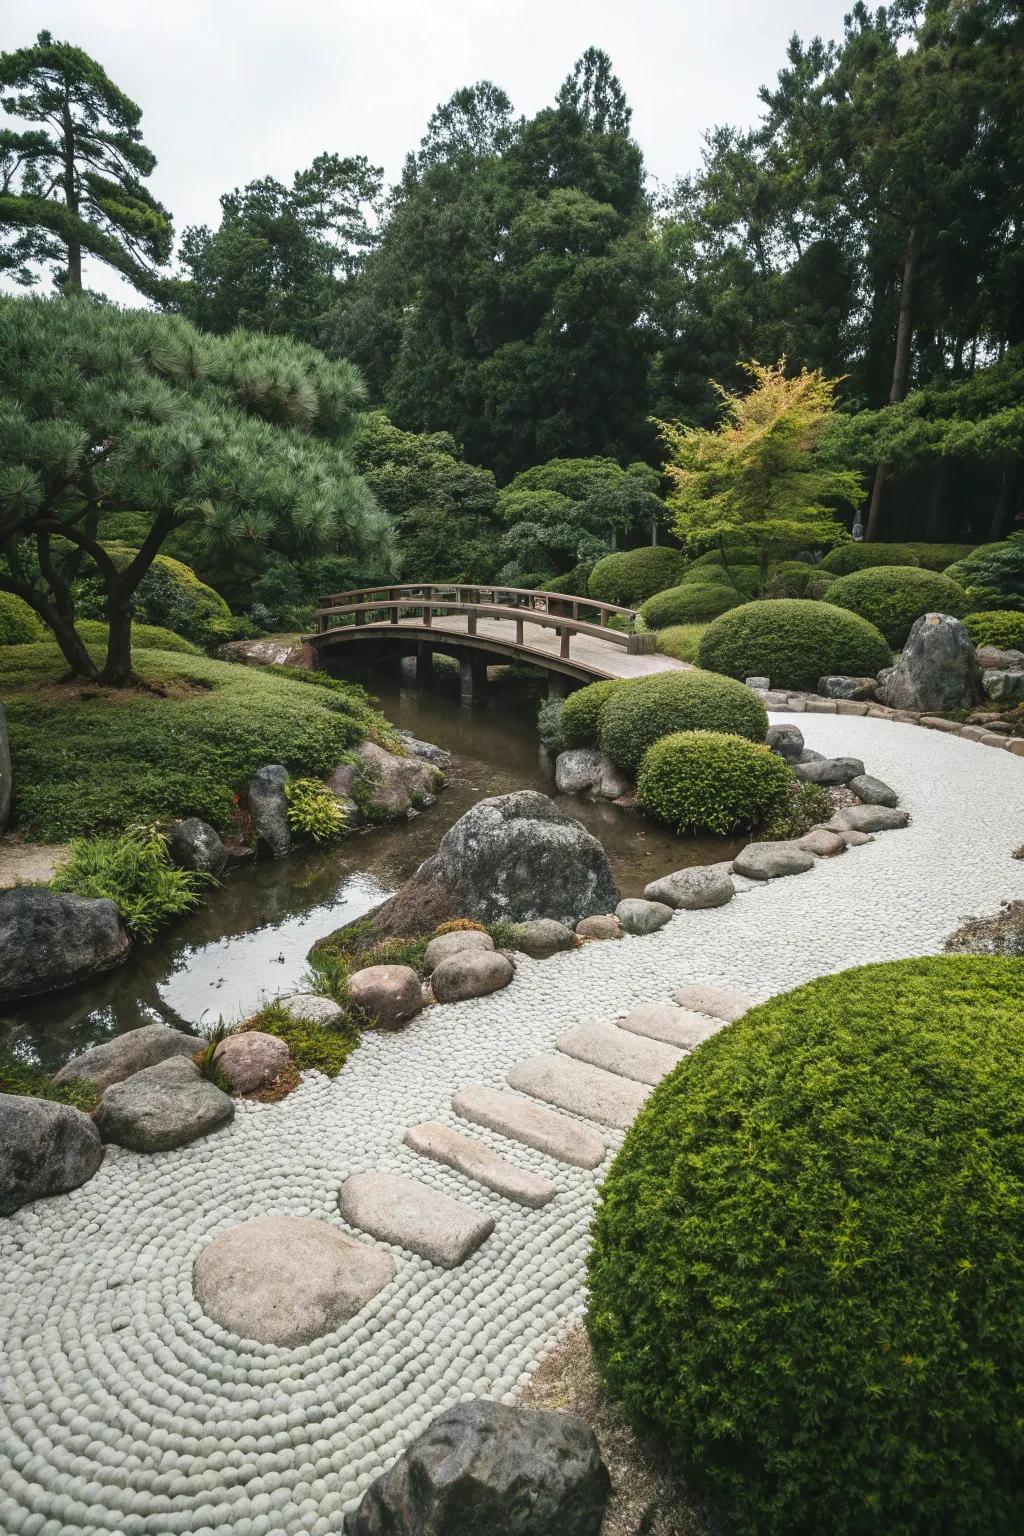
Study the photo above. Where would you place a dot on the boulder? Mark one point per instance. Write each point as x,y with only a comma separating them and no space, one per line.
1006,688
390,995
485,1469
426,750
251,1059
822,843
448,944
581,770
604,926
45,1149
759,684
937,670
772,861
194,844
691,890
808,755
868,818
1002,661
830,770
642,916
787,741
5,773
50,940
871,791
312,1008
163,1107
124,1055
388,786
470,973
848,687
272,650
268,807
543,937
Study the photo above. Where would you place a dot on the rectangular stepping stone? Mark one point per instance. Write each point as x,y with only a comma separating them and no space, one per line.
719,1002
676,1026
617,1050
522,1121
411,1215
477,1161
582,1089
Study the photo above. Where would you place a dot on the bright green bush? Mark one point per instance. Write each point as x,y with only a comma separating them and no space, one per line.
19,625
792,643
707,781
743,579
629,577
795,578
892,597
688,604
807,1259
134,870
650,707
1005,630
580,720
680,641
993,575
150,637
858,557
313,811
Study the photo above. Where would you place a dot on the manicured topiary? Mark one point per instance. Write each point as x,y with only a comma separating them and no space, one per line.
743,579
795,578
19,625
580,720
632,575
650,707
858,557
707,781
806,1264
690,603
792,643
891,597
1003,630
170,595
680,641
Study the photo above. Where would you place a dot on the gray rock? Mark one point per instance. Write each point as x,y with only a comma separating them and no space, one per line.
1001,687
470,973
390,995
389,785
287,1280
623,1051
124,1055
543,937
45,1149
602,926
484,1469
162,1107
759,684
579,1088
577,770
787,741
868,818
642,916
271,651
268,807
718,1002
412,1215
822,843
49,940
426,750
543,1129
831,770
448,944
838,687
251,1059
772,861
937,670
613,783
194,844
467,1155
692,890
808,755
5,773
312,1008
1002,661
872,791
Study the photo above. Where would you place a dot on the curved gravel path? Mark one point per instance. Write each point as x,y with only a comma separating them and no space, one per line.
123,1408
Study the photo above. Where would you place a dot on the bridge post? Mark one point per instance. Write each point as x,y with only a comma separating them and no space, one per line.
558,685
424,664
472,677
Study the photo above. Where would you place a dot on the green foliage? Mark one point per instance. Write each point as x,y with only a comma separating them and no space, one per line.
135,871
18,1076
743,579
575,581
651,707
169,595
314,1047
313,811
680,641
18,624
858,557
993,576
795,578
146,636
806,1260
549,725
206,1057
570,510
807,805
580,720
688,604
892,597
710,781
792,643
1003,630
631,576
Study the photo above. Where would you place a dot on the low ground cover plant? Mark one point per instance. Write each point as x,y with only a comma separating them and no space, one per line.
891,597
793,643
134,870
636,716
708,781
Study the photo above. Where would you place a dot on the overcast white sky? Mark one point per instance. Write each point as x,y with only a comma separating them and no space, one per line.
235,89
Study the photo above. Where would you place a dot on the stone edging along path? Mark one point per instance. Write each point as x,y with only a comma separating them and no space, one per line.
124,1407
814,704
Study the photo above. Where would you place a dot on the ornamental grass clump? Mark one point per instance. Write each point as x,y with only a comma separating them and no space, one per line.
807,1259
891,597
792,642
707,781
637,715
580,719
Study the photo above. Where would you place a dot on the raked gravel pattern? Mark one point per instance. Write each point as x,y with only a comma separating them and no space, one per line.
123,1408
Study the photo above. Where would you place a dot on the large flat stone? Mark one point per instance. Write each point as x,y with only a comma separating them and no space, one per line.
869,818
621,1051
680,1027
163,1107
411,1215
542,1129
580,1088
692,890
772,861
719,1002
124,1055
467,1155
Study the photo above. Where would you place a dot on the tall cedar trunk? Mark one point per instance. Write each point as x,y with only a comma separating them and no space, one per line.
901,362
74,282
1004,502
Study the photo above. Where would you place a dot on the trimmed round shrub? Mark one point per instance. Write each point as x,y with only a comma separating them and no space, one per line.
648,708
690,603
792,642
795,578
891,597
1003,630
707,781
859,557
580,719
632,575
149,637
169,595
680,641
19,624
743,579
807,1258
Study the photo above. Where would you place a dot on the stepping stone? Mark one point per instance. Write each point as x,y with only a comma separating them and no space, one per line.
618,1050
411,1215
522,1121
718,1002
580,1088
477,1161
675,1026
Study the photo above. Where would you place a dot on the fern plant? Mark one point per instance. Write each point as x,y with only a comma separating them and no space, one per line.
313,811
135,871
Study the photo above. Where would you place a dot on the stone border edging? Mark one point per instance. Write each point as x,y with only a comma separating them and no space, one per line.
814,704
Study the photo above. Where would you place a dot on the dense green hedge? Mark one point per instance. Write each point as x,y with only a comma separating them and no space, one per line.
707,781
1005,630
743,579
149,637
891,597
632,575
580,720
634,717
19,625
792,643
680,641
858,557
808,1257
795,578
690,603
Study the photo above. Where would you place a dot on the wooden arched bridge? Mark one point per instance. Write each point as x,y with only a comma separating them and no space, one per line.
571,638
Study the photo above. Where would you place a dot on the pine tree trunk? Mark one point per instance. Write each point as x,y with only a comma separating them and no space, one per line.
901,363
74,277
72,646
117,669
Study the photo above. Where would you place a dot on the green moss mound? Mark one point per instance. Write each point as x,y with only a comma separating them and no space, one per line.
891,597
680,641
860,557
149,637
636,716
807,1260
707,781
690,603
19,625
792,643
1003,630
580,719
631,576
170,595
